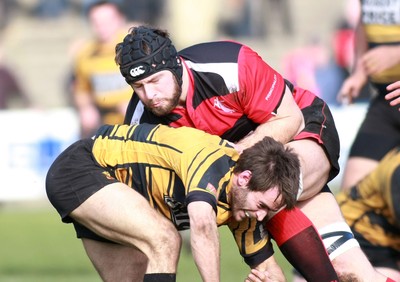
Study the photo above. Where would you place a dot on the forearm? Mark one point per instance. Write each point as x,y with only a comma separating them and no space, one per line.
282,129
89,115
392,52
206,252
353,84
82,100
360,47
286,124
204,240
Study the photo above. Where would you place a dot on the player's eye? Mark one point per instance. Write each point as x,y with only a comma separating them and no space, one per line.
262,206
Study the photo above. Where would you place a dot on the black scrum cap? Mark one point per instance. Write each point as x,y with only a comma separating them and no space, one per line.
136,64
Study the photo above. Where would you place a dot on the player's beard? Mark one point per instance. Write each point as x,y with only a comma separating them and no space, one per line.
238,199
168,104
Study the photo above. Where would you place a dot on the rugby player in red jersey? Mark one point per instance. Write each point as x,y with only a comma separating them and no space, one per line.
226,88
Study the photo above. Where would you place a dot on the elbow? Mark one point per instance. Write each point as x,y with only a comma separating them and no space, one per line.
202,224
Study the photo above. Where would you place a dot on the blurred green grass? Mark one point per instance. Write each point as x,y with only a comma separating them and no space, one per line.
36,246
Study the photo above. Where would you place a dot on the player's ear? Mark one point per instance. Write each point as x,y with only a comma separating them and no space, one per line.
244,178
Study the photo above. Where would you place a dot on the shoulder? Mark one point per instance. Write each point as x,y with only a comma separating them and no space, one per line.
86,46
212,52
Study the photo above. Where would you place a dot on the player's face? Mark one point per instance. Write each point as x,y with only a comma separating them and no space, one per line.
105,21
159,92
246,203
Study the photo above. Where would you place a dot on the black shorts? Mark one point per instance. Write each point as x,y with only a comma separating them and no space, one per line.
379,132
72,178
320,127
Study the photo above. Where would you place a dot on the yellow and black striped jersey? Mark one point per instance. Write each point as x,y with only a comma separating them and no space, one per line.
172,167
381,21
372,207
97,75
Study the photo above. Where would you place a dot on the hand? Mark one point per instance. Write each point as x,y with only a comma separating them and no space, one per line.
262,276
381,58
351,87
394,93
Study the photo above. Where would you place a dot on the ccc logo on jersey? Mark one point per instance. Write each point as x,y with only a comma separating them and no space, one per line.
137,71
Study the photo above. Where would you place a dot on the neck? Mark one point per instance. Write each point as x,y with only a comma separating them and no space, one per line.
185,84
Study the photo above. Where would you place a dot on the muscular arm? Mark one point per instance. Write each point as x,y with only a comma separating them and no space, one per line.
361,45
204,239
283,127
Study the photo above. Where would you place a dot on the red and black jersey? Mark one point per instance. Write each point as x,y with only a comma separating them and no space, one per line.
229,84
232,90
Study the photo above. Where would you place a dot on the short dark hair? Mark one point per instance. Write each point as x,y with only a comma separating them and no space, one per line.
272,165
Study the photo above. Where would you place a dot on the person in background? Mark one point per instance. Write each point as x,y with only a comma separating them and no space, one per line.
99,93
312,67
145,11
372,210
12,93
376,60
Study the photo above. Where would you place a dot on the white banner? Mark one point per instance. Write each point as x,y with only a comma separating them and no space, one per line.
347,119
30,141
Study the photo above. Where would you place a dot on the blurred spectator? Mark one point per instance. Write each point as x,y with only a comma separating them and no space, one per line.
255,17
377,61
235,21
323,69
145,11
193,21
312,67
278,11
12,94
343,39
50,8
100,93
6,6
343,44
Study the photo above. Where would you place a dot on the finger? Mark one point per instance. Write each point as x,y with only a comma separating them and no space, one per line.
250,279
393,94
393,86
345,95
395,102
344,98
254,277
